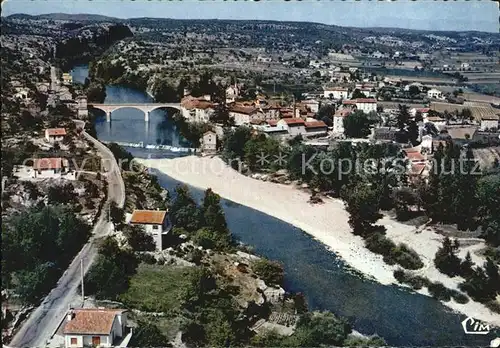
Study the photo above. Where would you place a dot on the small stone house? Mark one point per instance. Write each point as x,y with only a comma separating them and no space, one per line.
209,142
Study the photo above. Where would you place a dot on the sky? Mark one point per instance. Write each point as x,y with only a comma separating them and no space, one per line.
422,14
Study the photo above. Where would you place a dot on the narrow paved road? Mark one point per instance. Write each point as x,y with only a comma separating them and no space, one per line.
43,322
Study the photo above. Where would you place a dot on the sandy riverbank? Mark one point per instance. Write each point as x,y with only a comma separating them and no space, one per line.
327,222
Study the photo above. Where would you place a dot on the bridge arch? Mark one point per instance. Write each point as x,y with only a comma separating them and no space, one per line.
146,108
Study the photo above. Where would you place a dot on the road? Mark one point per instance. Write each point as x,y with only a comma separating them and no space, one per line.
43,322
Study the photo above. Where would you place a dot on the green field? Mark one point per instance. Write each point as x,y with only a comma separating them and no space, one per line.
157,288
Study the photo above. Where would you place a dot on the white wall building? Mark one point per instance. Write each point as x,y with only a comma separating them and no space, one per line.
294,126
209,142
55,134
366,105
196,109
338,120
49,167
434,94
94,327
154,222
336,92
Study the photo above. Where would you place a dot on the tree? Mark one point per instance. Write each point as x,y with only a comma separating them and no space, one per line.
271,272
109,276
357,94
363,205
321,328
403,199
138,238
414,91
148,335
234,143
357,125
446,259
96,92
63,194
466,267
116,214
184,210
32,285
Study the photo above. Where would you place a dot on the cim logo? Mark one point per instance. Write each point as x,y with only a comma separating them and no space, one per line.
475,327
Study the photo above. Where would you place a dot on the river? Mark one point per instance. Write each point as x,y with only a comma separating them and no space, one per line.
402,318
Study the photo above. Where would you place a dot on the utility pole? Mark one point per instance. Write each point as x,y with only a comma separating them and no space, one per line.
81,273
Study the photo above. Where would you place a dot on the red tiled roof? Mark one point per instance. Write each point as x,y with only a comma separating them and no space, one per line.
417,168
194,103
344,89
342,113
414,156
272,123
423,110
91,321
49,163
242,109
349,102
366,100
155,217
316,124
294,121
56,131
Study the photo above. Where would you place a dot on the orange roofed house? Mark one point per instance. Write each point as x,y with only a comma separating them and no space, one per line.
95,327
55,134
154,222
49,167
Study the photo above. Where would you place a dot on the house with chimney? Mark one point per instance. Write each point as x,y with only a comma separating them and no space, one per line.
95,327
155,222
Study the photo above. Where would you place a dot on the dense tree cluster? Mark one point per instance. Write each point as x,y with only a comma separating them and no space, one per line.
206,224
29,239
110,274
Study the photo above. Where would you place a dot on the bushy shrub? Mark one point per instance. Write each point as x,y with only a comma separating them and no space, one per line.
271,272
459,297
400,254
439,291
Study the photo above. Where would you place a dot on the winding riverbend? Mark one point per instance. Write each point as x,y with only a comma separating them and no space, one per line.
401,317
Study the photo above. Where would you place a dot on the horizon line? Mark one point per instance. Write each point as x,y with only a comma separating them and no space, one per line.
242,20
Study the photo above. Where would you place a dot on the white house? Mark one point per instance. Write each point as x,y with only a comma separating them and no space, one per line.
54,134
338,120
94,327
366,105
67,78
22,93
262,59
336,92
294,126
434,94
209,142
49,167
489,122
154,222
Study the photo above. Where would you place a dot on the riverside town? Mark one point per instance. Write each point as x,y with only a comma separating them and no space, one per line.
250,174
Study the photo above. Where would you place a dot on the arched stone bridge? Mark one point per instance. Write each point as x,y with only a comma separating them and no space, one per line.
146,108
